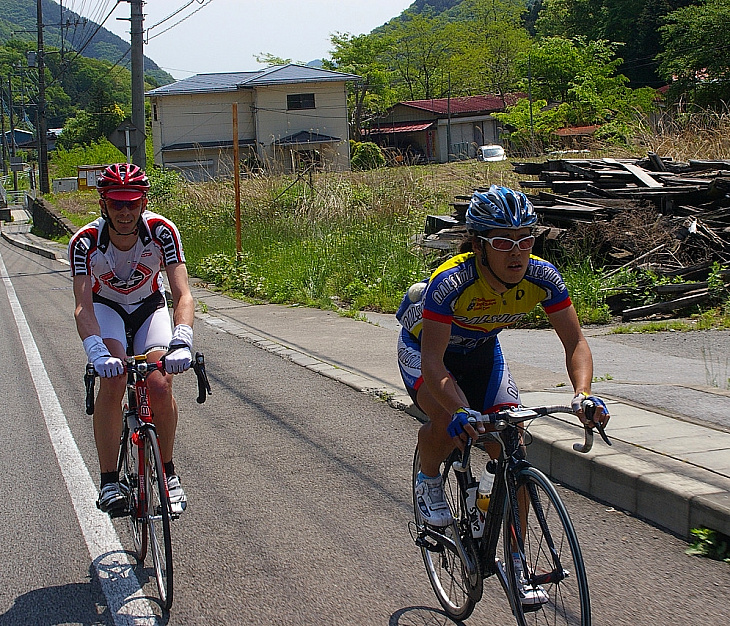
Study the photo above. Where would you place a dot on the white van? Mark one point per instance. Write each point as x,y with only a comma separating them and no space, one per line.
491,153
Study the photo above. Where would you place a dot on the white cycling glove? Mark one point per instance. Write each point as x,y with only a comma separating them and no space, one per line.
99,356
179,355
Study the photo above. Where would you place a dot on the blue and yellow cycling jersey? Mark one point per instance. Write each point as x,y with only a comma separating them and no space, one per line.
459,295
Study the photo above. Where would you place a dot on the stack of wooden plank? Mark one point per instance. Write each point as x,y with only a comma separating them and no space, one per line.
692,198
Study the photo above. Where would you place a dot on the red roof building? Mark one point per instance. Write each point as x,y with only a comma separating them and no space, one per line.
441,129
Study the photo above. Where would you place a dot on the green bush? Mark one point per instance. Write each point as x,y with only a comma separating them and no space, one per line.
367,156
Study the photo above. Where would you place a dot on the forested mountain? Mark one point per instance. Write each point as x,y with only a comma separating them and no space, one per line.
68,31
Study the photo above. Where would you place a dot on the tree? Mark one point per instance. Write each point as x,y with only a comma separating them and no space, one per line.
362,55
268,59
533,123
419,49
582,76
491,38
696,50
92,125
557,64
633,23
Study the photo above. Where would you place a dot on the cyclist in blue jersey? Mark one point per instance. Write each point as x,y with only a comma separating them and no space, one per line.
116,264
448,351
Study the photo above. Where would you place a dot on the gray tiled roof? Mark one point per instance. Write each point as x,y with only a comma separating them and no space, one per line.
231,81
305,137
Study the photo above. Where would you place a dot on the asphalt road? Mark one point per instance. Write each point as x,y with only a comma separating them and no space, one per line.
299,500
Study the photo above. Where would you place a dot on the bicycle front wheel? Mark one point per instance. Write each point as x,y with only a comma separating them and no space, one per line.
158,518
446,571
552,556
129,479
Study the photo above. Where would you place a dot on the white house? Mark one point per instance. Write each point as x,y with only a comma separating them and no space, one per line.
288,116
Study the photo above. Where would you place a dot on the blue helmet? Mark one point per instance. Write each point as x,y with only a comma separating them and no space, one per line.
499,207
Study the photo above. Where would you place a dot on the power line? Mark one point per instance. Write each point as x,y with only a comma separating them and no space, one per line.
202,6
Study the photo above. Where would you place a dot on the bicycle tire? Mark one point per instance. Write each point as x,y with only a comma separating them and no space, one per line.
552,555
128,467
444,566
158,518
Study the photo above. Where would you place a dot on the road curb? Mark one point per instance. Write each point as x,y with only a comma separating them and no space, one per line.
23,243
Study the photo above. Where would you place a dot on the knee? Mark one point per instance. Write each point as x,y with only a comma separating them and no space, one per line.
159,389
113,387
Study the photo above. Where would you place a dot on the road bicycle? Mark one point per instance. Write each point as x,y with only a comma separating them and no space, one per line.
526,528
141,471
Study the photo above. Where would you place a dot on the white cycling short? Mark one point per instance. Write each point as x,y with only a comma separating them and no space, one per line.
155,332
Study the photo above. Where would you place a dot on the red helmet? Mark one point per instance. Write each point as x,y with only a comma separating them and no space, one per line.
123,181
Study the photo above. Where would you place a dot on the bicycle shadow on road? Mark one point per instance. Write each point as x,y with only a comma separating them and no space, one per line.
421,616
113,568
85,603
74,603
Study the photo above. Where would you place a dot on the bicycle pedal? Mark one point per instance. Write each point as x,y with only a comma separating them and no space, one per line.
422,542
114,513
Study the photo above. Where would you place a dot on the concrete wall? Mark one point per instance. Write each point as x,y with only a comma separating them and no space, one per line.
46,221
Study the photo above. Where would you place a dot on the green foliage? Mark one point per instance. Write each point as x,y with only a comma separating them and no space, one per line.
163,184
709,543
65,162
695,53
586,287
719,292
489,39
367,156
534,124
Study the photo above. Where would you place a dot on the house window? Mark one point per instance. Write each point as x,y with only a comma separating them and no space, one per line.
154,112
297,101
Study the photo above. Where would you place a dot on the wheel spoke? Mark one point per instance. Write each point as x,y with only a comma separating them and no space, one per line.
552,557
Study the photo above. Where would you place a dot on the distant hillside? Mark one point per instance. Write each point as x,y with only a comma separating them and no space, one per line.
69,31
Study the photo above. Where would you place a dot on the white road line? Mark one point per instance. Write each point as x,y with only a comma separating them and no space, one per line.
125,599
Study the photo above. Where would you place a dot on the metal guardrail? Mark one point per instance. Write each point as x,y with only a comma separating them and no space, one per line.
18,197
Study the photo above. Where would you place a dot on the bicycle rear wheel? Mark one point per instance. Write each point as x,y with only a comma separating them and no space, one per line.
552,555
129,478
446,571
158,518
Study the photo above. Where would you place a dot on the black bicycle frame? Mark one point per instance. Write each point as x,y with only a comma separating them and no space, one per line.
504,492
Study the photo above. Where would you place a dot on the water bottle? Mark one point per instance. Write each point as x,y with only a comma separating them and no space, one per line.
484,490
475,515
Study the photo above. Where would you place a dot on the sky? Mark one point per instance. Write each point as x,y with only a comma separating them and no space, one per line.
225,35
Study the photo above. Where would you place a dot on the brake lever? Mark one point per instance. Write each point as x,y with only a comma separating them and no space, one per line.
590,410
203,384
602,432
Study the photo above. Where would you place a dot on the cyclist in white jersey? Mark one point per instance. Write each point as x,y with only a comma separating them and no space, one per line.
116,264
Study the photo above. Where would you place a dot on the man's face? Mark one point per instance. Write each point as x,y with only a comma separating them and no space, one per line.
509,265
124,214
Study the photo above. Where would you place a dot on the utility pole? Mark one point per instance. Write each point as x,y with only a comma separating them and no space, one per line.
2,126
139,156
42,124
448,122
12,133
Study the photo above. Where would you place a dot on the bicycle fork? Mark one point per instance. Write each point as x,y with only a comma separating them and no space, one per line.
531,504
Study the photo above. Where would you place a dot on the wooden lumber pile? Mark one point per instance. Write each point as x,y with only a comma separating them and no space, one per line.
690,202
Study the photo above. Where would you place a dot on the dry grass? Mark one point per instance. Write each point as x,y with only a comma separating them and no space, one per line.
702,135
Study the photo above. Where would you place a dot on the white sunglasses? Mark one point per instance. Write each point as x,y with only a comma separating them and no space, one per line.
504,244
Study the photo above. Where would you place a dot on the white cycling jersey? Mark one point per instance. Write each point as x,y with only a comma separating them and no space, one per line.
126,277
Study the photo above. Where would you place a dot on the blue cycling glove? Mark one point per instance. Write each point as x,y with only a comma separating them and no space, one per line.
580,398
461,418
